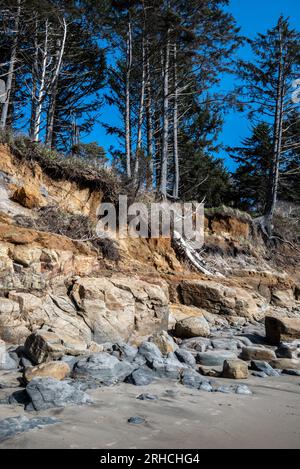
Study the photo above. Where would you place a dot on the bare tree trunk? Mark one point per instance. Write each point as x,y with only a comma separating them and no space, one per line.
42,85
127,99
278,131
175,129
149,122
141,115
165,136
51,115
34,74
11,70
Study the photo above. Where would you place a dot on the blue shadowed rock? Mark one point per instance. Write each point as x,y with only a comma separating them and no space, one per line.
141,377
147,397
136,420
13,426
243,389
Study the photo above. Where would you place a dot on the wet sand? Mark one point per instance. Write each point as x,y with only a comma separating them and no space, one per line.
270,418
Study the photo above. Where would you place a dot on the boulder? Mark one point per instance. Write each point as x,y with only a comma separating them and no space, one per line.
287,351
121,308
43,346
124,351
192,379
141,377
214,358
285,363
186,357
283,298
28,196
192,327
222,299
235,369
281,329
150,352
103,368
168,368
257,353
13,426
263,367
45,393
164,342
200,344
58,370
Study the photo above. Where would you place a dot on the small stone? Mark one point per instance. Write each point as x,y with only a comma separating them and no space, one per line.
235,369
136,420
147,397
192,327
286,351
205,386
242,389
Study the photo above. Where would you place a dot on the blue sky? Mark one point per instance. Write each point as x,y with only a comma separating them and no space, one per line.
252,16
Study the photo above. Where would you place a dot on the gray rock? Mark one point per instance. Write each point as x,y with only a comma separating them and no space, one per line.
191,379
291,372
184,356
25,363
243,389
169,368
200,344
45,393
102,367
141,377
136,420
259,374
147,397
205,386
70,360
225,344
223,389
258,365
6,361
286,351
13,426
214,358
124,351
150,351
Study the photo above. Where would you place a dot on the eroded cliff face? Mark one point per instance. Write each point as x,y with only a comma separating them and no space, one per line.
77,299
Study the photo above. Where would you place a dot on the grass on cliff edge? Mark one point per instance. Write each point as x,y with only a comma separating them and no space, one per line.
60,167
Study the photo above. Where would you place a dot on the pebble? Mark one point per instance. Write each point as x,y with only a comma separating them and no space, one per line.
136,420
147,397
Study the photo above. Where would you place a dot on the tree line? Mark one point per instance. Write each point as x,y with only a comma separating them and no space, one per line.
158,63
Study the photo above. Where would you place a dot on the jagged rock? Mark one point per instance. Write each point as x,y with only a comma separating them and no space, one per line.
15,425
281,329
136,420
291,372
243,389
226,344
28,196
192,379
281,363
214,358
186,357
58,370
104,368
264,367
169,368
283,298
213,372
235,369
119,308
141,377
44,345
257,353
192,327
124,351
150,351
164,342
222,299
259,374
45,393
